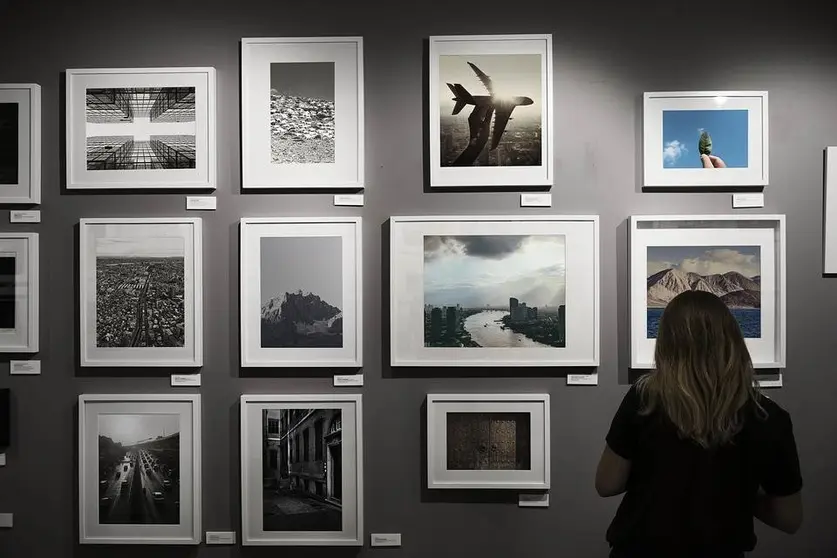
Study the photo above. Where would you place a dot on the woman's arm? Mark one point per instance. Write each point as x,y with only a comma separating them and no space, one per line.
612,473
780,512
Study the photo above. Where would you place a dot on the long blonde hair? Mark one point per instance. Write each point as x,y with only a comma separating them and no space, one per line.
703,373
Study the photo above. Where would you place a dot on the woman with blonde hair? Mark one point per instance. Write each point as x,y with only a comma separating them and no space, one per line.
696,448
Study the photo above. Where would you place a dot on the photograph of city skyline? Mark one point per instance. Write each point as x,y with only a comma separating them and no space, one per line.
139,469
140,292
7,292
9,115
489,441
494,291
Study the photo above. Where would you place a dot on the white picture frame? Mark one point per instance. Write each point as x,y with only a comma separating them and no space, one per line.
316,68
829,229
167,344
671,151
176,149
171,484
463,469
22,183
256,451
19,253
306,254
455,166
570,243
736,243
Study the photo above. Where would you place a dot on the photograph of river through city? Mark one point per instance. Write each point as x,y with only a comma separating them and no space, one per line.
139,469
495,291
140,292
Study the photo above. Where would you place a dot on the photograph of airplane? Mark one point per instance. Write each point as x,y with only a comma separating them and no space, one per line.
472,140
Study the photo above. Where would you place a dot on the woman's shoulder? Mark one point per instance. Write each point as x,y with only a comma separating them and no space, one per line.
767,413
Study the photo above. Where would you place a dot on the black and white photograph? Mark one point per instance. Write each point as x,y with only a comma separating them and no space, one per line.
491,110
140,291
302,465
301,292
488,441
302,100
9,148
139,469
7,291
140,128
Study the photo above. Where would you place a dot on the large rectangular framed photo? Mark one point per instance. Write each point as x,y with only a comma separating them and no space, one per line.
494,290
302,112
139,469
19,292
302,470
740,258
493,441
20,143
491,112
705,138
141,128
301,292
141,292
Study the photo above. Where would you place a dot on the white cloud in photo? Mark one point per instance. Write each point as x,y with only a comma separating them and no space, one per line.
672,151
716,260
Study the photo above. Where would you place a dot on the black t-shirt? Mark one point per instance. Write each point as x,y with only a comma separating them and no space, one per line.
682,498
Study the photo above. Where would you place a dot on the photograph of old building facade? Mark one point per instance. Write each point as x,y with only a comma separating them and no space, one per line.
302,469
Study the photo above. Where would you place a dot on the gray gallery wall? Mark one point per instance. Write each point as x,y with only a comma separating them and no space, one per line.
605,55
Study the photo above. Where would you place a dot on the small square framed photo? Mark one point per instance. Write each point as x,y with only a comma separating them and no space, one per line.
302,470
705,138
20,143
491,111
302,112
301,292
141,292
141,128
19,293
493,441
139,469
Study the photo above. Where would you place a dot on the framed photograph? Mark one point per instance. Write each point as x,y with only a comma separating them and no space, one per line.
705,138
829,244
139,469
19,292
302,470
491,111
141,128
488,441
494,290
20,143
740,258
141,292
302,112
301,292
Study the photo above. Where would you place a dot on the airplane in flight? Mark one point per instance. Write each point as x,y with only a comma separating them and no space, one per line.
486,106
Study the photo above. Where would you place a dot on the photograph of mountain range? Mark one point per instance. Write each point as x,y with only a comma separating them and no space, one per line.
731,272
301,292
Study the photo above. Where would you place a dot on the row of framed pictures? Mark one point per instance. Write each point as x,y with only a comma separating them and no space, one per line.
490,120
464,290
301,462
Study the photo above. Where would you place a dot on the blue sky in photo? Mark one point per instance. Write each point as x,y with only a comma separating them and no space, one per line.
682,128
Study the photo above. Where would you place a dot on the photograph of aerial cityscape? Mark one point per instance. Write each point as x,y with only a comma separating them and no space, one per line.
9,143
731,272
709,139
494,291
302,463
7,292
489,441
140,291
301,291
139,469
490,110
140,128
302,112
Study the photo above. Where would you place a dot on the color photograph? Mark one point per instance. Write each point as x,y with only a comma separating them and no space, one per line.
488,441
490,110
9,143
302,469
711,139
494,291
301,292
302,112
139,469
143,128
7,292
731,272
